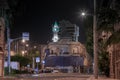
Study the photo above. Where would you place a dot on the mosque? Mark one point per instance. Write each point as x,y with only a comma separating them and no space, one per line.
65,54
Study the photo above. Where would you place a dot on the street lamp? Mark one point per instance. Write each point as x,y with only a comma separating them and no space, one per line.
35,47
23,40
23,53
94,41
83,13
27,45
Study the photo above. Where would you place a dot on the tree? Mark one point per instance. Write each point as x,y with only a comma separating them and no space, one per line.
89,35
21,59
103,58
103,63
114,38
107,18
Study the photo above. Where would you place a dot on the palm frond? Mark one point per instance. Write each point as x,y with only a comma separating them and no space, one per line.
107,17
114,38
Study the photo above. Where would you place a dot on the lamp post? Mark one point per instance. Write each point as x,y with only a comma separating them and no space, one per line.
94,41
9,40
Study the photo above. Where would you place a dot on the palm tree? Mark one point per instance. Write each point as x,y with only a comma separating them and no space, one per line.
108,17
89,35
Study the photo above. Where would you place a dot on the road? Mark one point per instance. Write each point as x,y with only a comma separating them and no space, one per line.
51,76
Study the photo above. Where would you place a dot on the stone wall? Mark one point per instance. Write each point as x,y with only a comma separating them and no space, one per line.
114,55
66,47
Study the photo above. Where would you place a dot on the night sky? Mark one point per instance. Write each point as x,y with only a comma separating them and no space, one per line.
37,17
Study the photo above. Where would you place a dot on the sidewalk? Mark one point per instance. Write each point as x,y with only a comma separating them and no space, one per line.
100,78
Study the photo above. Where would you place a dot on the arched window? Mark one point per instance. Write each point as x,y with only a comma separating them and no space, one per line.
75,50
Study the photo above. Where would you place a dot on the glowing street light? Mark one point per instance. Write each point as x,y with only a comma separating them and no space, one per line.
83,13
23,40
23,53
27,45
35,47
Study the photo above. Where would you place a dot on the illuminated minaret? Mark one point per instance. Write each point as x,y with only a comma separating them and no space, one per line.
55,30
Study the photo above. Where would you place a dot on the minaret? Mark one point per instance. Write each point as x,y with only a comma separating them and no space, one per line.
76,34
55,30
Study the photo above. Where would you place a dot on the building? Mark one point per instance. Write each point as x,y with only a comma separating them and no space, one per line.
20,47
2,46
3,7
67,52
68,29
114,53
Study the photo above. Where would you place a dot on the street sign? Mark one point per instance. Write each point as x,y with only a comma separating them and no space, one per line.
37,59
25,36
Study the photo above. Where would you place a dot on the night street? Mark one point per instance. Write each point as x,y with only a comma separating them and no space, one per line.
59,39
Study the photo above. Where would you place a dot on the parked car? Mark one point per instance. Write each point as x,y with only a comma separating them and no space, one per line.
46,71
55,71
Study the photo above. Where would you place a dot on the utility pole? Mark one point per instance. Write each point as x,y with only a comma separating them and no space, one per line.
95,42
8,47
6,16
25,36
33,63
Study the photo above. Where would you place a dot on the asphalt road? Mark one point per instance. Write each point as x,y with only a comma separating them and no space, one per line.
49,76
